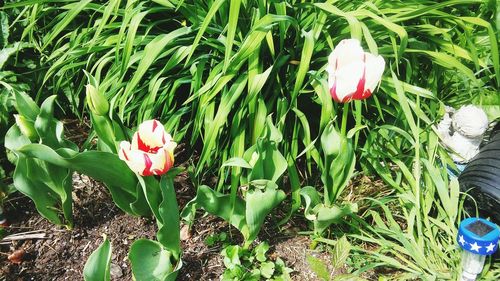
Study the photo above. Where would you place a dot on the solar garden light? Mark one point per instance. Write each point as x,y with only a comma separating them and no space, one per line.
478,238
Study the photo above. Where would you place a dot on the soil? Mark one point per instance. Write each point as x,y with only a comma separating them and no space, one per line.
60,254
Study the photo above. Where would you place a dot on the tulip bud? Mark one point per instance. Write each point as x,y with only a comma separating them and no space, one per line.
26,126
98,104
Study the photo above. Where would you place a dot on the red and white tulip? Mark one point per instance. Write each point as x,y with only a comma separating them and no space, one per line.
353,74
151,151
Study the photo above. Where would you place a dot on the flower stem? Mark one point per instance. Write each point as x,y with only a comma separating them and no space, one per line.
345,111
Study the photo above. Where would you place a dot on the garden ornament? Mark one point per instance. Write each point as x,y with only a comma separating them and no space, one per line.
151,151
353,74
478,238
462,131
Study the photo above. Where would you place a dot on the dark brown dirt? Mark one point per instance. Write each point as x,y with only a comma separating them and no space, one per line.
61,253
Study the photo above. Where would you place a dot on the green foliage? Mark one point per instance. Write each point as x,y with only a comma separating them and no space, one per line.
264,166
152,262
48,185
212,239
245,264
214,72
340,255
97,267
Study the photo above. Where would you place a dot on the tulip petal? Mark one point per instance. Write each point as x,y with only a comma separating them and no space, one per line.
151,151
347,81
133,158
346,52
374,69
150,136
148,164
161,162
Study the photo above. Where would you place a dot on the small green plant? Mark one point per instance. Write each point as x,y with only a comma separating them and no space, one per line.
245,264
340,254
263,166
47,184
213,239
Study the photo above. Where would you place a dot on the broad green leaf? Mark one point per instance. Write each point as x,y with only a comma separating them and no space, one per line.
26,106
339,163
268,163
6,53
260,251
97,267
231,256
219,205
312,199
44,197
326,216
152,262
102,166
267,269
236,162
259,203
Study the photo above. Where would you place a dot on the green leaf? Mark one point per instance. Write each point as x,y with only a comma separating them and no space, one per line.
236,162
333,214
260,251
340,253
318,267
231,256
26,106
232,26
206,21
4,30
151,53
44,197
169,231
268,163
312,199
97,267
74,10
259,203
102,166
5,53
152,262
305,61
267,269
219,205
47,185
339,163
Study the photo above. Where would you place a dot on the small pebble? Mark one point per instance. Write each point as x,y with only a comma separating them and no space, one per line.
185,235
115,271
16,256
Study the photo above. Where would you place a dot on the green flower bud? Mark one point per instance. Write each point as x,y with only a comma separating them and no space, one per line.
27,127
98,104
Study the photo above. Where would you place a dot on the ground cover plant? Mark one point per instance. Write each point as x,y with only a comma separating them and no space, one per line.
281,104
